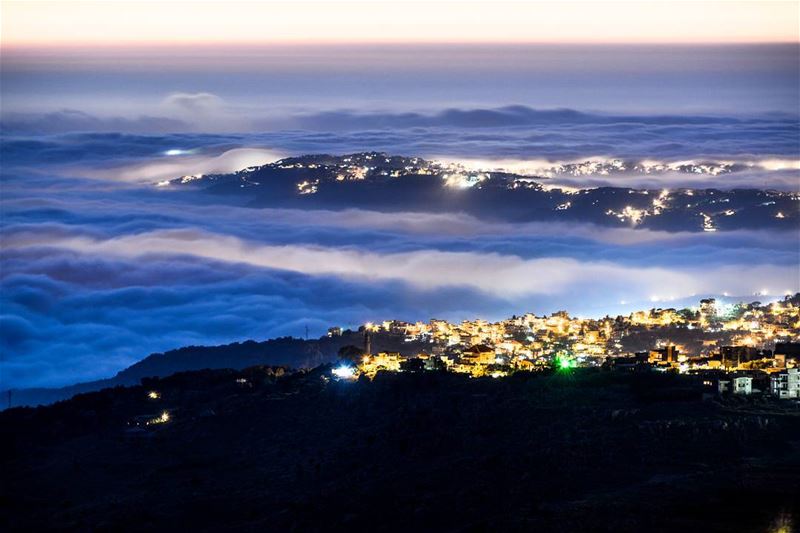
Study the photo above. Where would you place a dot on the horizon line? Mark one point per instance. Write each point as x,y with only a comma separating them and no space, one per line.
311,43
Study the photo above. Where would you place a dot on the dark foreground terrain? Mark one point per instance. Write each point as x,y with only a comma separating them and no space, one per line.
289,351
575,451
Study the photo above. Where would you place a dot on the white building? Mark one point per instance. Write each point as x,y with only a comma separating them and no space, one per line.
785,385
743,385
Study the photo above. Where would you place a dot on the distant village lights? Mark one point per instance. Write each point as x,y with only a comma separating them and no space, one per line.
757,339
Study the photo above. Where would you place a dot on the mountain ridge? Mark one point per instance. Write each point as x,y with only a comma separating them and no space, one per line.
285,351
379,181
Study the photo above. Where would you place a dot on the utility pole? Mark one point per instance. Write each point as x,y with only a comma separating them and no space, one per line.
306,331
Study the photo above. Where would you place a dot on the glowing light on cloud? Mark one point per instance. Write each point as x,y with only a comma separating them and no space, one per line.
780,164
183,163
505,276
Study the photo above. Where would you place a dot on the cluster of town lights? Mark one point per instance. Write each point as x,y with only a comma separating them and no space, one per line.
685,340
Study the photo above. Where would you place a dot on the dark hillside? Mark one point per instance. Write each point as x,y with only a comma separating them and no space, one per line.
258,450
287,351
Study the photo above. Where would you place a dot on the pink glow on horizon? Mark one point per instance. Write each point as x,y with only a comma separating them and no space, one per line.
126,23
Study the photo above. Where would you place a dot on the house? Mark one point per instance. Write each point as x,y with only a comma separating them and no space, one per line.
668,354
479,354
736,355
372,364
743,385
786,384
789,349
525,365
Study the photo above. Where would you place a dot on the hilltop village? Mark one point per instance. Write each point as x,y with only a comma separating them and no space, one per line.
741,349
381,181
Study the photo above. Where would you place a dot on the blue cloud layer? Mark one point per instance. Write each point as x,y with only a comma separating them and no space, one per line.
83,294
509,132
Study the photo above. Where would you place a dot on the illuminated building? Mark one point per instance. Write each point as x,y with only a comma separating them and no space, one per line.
479,354
372,364
668,354
786,384
742,385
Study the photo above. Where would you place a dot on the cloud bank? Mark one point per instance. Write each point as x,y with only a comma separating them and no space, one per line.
504,276
495,132
98,268
766,153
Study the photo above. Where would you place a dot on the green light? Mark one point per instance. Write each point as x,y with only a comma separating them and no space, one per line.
565,364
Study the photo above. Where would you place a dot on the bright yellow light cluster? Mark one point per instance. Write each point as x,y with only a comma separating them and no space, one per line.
529,342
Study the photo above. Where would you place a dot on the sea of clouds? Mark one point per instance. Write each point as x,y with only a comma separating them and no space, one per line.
100,268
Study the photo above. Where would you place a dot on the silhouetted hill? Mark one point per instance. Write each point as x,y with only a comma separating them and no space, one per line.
288,351
262,449
378,181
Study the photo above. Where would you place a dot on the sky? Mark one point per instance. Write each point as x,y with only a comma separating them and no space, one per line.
250,66
27,23
99,101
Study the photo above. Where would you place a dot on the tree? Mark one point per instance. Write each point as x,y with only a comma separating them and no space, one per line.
414,364
351,353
